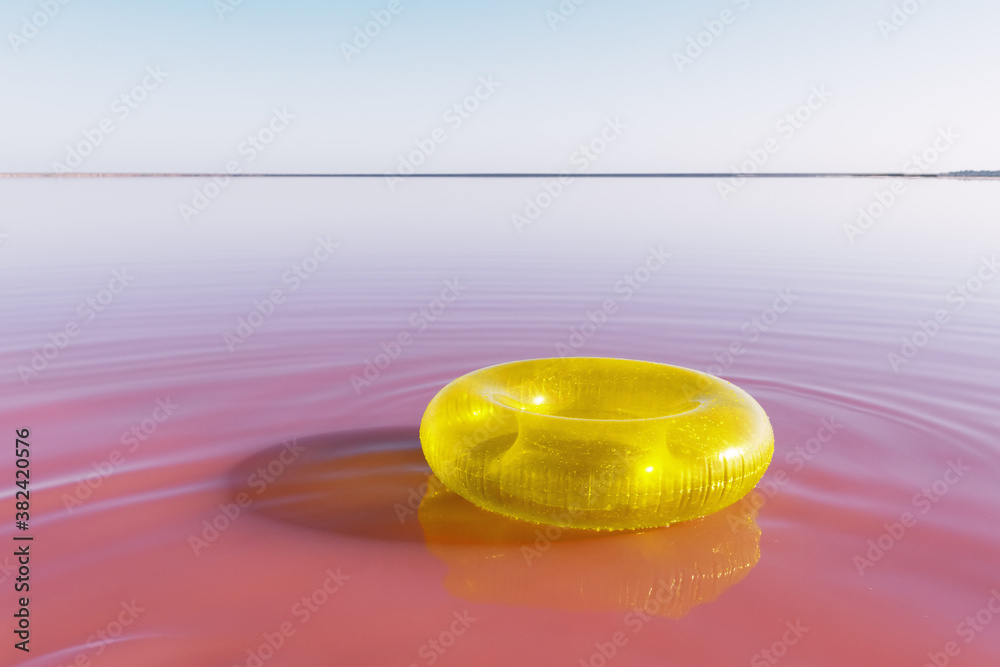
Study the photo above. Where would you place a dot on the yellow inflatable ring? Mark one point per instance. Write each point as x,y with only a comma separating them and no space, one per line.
607,444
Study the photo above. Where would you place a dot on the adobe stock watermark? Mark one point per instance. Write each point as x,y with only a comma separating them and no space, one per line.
121,108
810,449
416,494
923,502
547,535
87,311
7,568
752,331
773,654
596,485
393,349
786,128
490,428
432,650
883,200
749,506
704,39
771,485
130,440
630,284
223,7
562,13
367,33
294,277
899,16
454,118
968,630
33,24
247,151
230,512
964,292
582,158
635,621
303,611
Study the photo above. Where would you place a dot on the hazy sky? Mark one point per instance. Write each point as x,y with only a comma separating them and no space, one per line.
180,86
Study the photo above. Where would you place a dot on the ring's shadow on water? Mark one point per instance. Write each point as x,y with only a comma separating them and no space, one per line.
375,484
354,483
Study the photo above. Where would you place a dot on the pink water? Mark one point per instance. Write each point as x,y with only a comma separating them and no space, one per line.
790,576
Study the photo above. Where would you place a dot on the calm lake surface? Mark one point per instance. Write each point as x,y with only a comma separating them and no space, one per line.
225,467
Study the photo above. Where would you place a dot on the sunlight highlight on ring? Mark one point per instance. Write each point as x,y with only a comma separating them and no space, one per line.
606,444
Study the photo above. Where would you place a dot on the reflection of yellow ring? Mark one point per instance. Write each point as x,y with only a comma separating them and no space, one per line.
662,572
596,443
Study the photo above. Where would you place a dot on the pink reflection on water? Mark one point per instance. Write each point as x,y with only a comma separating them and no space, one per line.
166,531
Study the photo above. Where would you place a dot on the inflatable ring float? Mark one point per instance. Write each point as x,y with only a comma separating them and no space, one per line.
605,444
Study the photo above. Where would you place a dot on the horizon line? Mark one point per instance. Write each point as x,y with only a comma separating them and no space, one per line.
969,174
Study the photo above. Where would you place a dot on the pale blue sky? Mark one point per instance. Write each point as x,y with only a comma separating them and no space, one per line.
226,73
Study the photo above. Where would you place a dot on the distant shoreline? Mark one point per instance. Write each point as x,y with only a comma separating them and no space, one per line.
986,175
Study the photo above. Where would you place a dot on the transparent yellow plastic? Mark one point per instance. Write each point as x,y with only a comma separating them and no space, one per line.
606,444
